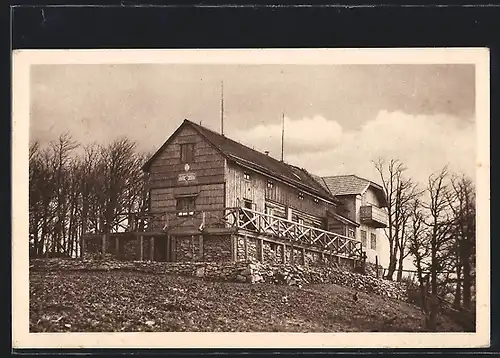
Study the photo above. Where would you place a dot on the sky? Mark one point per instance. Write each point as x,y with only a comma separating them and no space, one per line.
338,118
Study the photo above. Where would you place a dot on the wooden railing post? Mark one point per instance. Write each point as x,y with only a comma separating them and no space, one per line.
152,248
200,245
104,243
261,250
246,247
140,247
117,247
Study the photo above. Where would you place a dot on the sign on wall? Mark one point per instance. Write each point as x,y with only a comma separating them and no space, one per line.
186,177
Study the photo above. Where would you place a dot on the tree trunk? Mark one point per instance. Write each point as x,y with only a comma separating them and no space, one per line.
434,299
467,280
400,267
392,263
458,288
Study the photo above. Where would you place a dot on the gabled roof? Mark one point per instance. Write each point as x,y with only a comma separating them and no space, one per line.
340,185
253,159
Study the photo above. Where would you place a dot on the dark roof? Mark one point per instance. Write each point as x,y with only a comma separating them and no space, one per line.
253,159
352,185
342,219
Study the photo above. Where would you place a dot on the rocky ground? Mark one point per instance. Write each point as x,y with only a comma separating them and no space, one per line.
126,300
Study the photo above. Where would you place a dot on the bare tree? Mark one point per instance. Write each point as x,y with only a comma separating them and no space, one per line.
419,248
73,192
62,150
461,201
400,191
439,223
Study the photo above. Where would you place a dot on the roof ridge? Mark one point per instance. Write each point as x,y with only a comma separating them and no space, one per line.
340,175
235,141
316,186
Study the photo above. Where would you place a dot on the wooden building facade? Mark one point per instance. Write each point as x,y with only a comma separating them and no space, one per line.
214,199
363,203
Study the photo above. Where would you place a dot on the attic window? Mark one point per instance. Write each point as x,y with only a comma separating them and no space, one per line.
187,153
301,195
246,175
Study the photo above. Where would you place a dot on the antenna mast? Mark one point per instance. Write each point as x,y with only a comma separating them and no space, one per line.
222,107
282,134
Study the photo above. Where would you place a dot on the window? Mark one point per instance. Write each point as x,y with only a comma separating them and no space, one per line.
316,201
301,196
351,233
185,206
246,175
300,221
373,240
248,204
363,238
187,153
270,184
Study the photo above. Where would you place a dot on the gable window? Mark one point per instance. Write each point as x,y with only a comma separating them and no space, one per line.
301,195
373,239
363,238
185,205
246,175
187,153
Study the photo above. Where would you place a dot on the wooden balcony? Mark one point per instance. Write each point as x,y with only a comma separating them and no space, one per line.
239,220
373,216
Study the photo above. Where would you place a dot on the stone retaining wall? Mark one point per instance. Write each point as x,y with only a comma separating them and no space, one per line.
242,271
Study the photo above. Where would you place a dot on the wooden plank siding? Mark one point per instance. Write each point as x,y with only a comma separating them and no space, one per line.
280,196
239,189
208,164
208,196
208,167
289,196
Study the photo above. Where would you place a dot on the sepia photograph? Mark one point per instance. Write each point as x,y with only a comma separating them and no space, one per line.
339,195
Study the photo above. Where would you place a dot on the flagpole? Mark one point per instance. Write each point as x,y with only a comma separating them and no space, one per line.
282,135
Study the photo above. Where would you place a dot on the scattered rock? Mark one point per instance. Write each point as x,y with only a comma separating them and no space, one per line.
200,272
241,278
250,272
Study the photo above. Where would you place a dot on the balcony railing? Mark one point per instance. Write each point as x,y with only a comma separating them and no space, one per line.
374,216
239,220
297,233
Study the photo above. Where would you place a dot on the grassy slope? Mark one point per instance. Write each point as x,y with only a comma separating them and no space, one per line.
131,301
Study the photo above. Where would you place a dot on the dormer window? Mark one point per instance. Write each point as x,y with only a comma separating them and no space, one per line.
246,175
301,195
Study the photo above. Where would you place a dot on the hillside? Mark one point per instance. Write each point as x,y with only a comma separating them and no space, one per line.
127,301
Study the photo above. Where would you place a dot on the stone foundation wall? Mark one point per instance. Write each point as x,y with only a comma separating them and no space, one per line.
213,248
187,249
273,254
217,248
